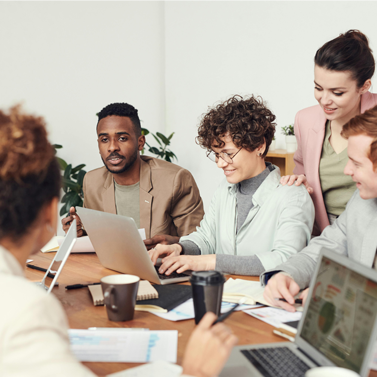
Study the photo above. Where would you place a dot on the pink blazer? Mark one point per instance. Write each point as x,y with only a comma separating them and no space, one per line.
310,132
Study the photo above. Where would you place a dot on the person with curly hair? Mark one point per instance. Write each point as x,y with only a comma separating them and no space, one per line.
33,325
254,223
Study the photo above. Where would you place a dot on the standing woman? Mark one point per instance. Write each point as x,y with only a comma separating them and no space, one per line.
343,70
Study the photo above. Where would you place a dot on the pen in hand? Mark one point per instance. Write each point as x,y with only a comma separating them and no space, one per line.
229,312
297,300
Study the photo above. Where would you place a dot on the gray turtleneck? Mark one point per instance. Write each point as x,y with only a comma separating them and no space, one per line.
235,264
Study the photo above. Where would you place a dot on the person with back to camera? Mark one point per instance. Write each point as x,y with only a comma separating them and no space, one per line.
33,326
254,223
343,70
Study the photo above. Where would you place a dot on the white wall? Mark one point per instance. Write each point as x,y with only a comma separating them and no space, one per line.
67,60
218,49
171,60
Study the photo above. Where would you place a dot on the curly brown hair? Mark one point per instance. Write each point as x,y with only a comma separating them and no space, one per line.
29,172
247,120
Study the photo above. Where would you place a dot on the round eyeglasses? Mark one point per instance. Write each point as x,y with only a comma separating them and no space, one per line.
228,158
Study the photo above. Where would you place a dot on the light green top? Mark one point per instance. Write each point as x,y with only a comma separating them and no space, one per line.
337,188
127,201
278,226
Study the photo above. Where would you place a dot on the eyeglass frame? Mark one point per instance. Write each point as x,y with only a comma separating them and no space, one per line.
222,153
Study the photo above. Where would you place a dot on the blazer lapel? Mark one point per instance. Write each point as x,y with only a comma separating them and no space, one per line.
108,196
146,198
316,136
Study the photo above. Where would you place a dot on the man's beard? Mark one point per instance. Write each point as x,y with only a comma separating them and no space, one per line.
128,164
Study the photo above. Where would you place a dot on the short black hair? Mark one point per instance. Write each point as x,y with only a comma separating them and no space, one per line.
123,110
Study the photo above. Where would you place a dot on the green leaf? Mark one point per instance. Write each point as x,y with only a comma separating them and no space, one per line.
154,150
63,165
80,177
167,158
67,171
63,211
144,131
78,168
165,140
156,138
68,196
70,184
171,136
57,146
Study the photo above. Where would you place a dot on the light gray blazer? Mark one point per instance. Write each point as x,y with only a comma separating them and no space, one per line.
354,234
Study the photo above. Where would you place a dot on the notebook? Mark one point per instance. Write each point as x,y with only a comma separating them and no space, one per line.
170,296
252,291
145,292
338,326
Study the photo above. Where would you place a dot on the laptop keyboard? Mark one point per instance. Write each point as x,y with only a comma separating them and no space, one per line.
276,362
172,275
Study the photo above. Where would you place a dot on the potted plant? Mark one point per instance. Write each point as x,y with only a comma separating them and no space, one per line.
290,138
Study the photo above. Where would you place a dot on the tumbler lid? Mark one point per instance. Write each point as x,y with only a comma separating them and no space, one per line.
207,278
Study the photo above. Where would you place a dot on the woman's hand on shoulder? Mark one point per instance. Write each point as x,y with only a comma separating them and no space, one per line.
297,180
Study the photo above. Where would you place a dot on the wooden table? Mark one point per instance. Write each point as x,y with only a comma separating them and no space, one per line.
81,313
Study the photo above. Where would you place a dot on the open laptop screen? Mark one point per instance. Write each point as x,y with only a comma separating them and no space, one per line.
341,314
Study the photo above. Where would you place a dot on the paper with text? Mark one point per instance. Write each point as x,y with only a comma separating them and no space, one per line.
124,346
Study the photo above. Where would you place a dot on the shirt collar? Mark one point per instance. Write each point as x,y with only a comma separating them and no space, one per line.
271,182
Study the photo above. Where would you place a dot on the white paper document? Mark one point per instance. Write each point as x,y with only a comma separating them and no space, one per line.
186,310
52,245
82,245
124,346
274,316
156,369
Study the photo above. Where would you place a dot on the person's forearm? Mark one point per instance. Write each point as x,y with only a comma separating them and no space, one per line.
189,248
239,265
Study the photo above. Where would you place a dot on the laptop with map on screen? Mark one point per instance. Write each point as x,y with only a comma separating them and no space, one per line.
338,326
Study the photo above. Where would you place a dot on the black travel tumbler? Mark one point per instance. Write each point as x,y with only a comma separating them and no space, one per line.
207,292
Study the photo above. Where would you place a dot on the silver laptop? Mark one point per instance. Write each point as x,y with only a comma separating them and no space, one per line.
338,326
118,245
60,258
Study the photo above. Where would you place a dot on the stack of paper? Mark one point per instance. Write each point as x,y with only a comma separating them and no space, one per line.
186,310
136,346
274,316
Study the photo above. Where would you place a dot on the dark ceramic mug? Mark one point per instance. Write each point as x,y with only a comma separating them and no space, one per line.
119,293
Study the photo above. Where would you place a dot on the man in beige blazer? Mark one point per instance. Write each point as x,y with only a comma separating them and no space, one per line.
161,197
